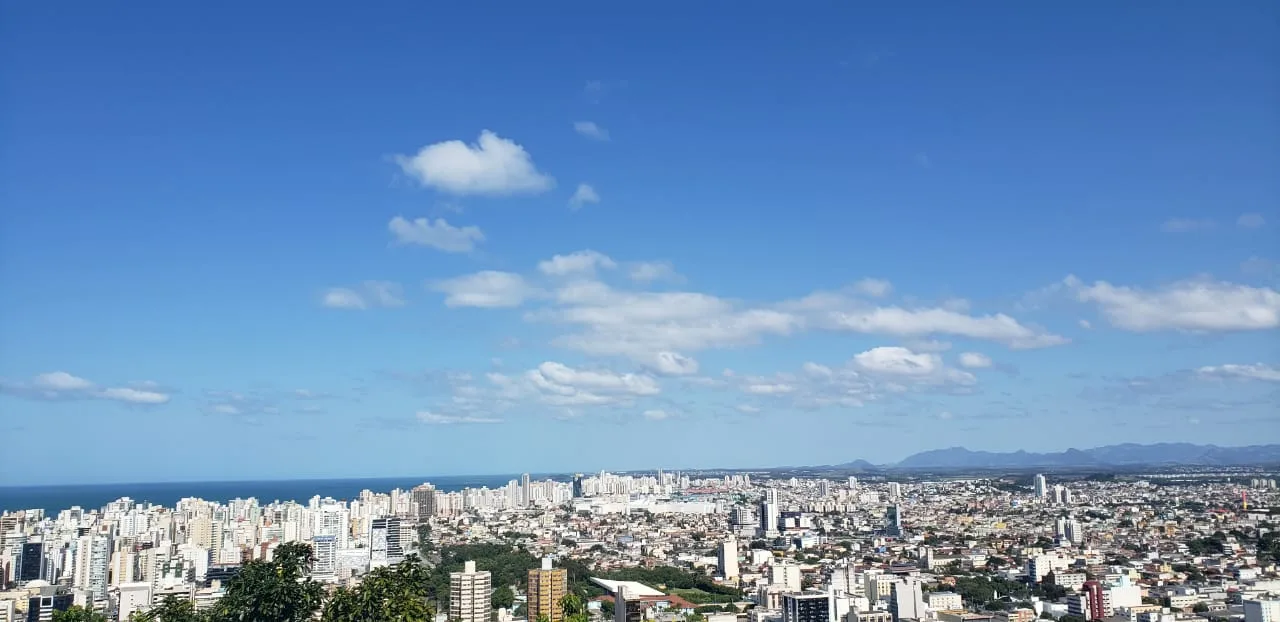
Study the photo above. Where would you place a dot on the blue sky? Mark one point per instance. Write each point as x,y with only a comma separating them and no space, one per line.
297,240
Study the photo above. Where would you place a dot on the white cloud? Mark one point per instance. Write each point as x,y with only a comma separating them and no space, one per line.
873,287
1256,371
1252,220
1185,225
673,364
492,166
897,361
552,373
876,374
656,415
590,130
974,360
999,328
641,325
1194,305
60,385
581,262
646,271
134,396
432,418
370,294
1085,324
944,415
928,345
61,381
487,289
768,388
584,195
439,235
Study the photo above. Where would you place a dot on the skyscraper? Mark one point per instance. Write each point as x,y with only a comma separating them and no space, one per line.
893,520
384,542
469,593
547,586
577,486
728,555
810,607
526,490
424,501
906,600
1041,486
895,491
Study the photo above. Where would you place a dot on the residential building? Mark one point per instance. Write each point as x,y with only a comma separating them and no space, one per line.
469,593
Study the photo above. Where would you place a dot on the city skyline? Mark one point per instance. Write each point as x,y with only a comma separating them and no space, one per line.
360,244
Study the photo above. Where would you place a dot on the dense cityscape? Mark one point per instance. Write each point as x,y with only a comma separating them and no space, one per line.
671,547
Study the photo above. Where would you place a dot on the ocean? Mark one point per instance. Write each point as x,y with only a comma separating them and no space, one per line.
53,499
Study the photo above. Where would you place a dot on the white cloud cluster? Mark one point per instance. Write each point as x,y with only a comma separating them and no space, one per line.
663,330
583,196
974,360
60,385
561,385
439,235
875,374
487,289
368,295
581,262
1233,371
432,418
590,129
492,166
1251,220
1194,305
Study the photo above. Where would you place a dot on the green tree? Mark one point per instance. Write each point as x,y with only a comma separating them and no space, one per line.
503,597
278,590
1200,607
575,610
391,593
78,614
171,609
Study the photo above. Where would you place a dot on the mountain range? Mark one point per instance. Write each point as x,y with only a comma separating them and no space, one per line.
1125,455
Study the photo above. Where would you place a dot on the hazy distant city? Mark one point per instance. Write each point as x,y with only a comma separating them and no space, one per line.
1194,543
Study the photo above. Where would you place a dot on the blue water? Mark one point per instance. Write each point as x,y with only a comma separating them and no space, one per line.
53,499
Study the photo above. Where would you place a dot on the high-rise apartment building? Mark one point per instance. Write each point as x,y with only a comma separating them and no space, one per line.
806,607
895,491
728,559
893,520
384,542
627,607
1041,486
547,586
469,593
424,501
92,563
1262,610
906,600
526,490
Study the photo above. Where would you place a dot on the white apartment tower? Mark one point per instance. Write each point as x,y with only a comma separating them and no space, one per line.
729,559
1261,610
92,562
1041,486
469,593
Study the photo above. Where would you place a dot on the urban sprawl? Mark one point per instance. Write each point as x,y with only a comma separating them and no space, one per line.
669,547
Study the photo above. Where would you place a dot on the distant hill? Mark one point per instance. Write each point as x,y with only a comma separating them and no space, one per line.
1128,454
857,465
